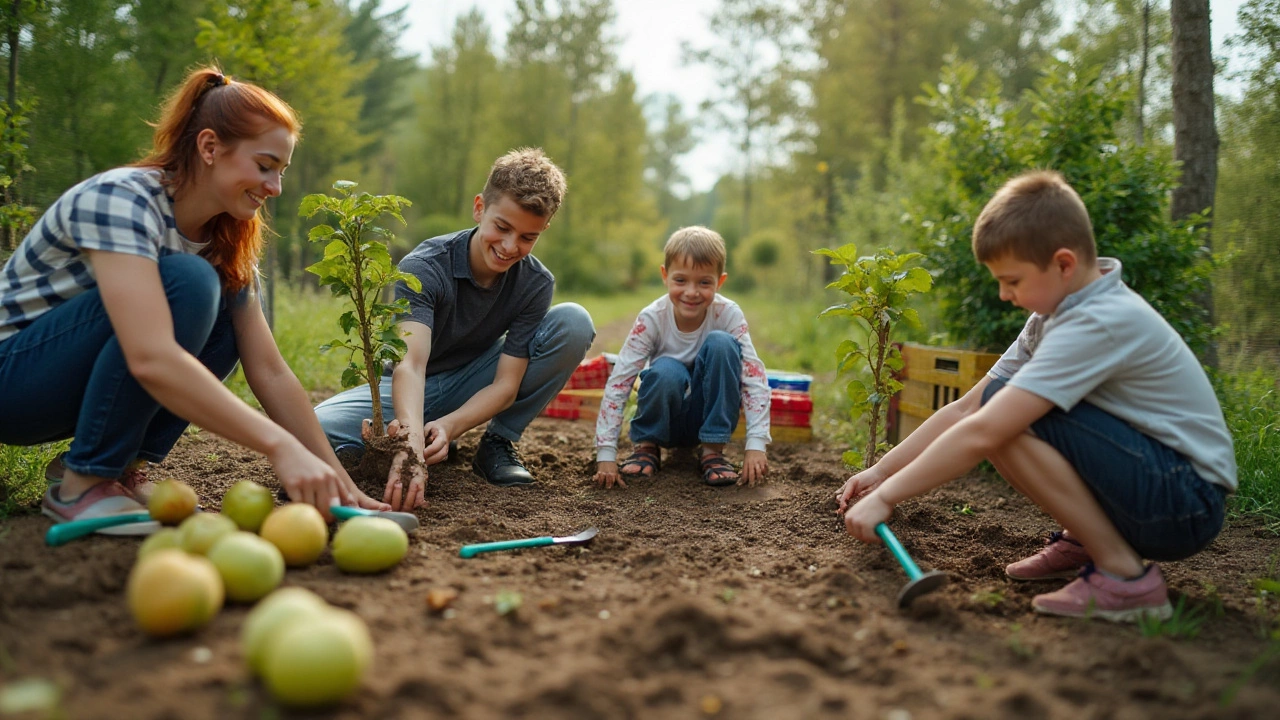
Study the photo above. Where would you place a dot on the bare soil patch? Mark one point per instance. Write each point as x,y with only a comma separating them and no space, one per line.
693,601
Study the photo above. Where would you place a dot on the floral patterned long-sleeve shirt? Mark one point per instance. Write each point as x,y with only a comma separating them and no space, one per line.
655,335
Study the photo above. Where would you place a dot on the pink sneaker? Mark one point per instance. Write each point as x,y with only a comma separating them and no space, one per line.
134,479
1061,557
1095,594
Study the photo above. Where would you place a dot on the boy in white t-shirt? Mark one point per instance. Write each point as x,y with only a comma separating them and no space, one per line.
1099,413
702,370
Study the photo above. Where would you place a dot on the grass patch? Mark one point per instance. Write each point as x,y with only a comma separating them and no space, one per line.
22,482
306,318
1251,405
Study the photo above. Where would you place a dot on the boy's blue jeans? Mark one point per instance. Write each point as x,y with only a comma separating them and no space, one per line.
679,407
64,375
1151,493
560,343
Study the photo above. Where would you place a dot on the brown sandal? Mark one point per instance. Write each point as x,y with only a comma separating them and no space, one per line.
650,462
713,467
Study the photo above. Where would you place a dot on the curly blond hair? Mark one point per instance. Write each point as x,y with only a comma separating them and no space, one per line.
529,178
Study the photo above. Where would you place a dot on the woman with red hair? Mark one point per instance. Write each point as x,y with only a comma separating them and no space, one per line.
135,294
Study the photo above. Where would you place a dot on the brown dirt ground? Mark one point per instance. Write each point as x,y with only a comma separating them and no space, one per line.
748,602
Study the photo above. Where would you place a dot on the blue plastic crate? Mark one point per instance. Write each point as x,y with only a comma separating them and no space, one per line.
783,380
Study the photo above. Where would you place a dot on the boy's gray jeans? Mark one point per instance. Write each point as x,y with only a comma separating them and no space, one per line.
560,343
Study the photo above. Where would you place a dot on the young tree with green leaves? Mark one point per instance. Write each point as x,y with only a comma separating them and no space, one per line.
879,287
358,266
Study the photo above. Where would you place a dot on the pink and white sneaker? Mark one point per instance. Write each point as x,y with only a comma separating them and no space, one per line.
1062,557
1097,595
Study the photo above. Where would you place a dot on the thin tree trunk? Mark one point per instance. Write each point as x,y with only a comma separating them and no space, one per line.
10,239
1195,139
1142,73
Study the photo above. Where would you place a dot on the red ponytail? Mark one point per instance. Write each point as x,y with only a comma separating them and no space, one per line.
234,111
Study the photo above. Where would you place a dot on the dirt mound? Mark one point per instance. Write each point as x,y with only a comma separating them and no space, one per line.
692,602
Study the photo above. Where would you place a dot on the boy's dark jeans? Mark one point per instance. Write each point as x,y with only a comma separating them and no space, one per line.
1152,494
65,375
679,407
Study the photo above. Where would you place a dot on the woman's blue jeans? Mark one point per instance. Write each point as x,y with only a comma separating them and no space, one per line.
680,407
64,375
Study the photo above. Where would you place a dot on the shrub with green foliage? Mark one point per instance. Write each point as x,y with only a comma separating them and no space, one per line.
878,287
358,266
1068,123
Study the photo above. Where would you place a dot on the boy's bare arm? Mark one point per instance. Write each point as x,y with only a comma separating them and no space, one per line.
956,451
480,408
911,448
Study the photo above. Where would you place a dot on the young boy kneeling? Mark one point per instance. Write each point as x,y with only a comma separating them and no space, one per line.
702,371
1099,413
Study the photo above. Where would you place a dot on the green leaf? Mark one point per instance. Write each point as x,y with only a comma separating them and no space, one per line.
344,186
310,204
917,280
352,377
348,321
851,458
320,231
1267,585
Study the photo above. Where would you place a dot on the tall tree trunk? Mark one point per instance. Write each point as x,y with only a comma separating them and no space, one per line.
1142,74
1195,139
10,239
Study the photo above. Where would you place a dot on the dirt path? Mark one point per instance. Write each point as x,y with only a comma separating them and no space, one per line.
748,602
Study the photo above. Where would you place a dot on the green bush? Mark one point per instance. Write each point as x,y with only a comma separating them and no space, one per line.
1251,405
1067,123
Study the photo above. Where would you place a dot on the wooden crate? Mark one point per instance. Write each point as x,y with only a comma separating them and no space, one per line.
932,378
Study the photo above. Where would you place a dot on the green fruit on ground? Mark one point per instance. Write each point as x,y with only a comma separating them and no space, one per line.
171,502
163,539
248,503
313,662
200,531
359,633
171,592
250,566
270,616
369,545
299,531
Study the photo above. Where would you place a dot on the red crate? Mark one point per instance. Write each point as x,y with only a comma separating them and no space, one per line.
591,374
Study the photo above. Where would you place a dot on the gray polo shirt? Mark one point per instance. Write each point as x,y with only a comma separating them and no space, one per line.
1105,344
465,318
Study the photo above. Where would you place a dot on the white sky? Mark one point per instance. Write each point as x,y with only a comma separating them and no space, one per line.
652,32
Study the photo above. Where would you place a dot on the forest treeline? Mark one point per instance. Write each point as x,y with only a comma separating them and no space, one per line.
839,112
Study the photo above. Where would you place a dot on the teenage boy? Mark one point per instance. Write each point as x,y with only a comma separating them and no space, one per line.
1099,413
484,343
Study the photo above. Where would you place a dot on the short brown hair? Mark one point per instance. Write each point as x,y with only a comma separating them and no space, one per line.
699,245
528,177
1032,217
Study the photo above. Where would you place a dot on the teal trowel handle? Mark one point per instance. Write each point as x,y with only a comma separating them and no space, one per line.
899,552
63,533
473,550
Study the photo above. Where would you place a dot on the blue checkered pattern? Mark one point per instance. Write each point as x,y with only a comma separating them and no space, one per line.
124,210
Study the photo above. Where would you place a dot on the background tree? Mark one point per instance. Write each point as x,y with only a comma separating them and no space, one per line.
752,65
1195,137
1247,208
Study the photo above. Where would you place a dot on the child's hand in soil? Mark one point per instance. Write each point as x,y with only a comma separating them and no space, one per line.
857,486
607,475
755,465
862,518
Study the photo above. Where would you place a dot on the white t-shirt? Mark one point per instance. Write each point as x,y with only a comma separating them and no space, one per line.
655,335
1106,345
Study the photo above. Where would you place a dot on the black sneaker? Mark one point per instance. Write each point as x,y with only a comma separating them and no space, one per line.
497,462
